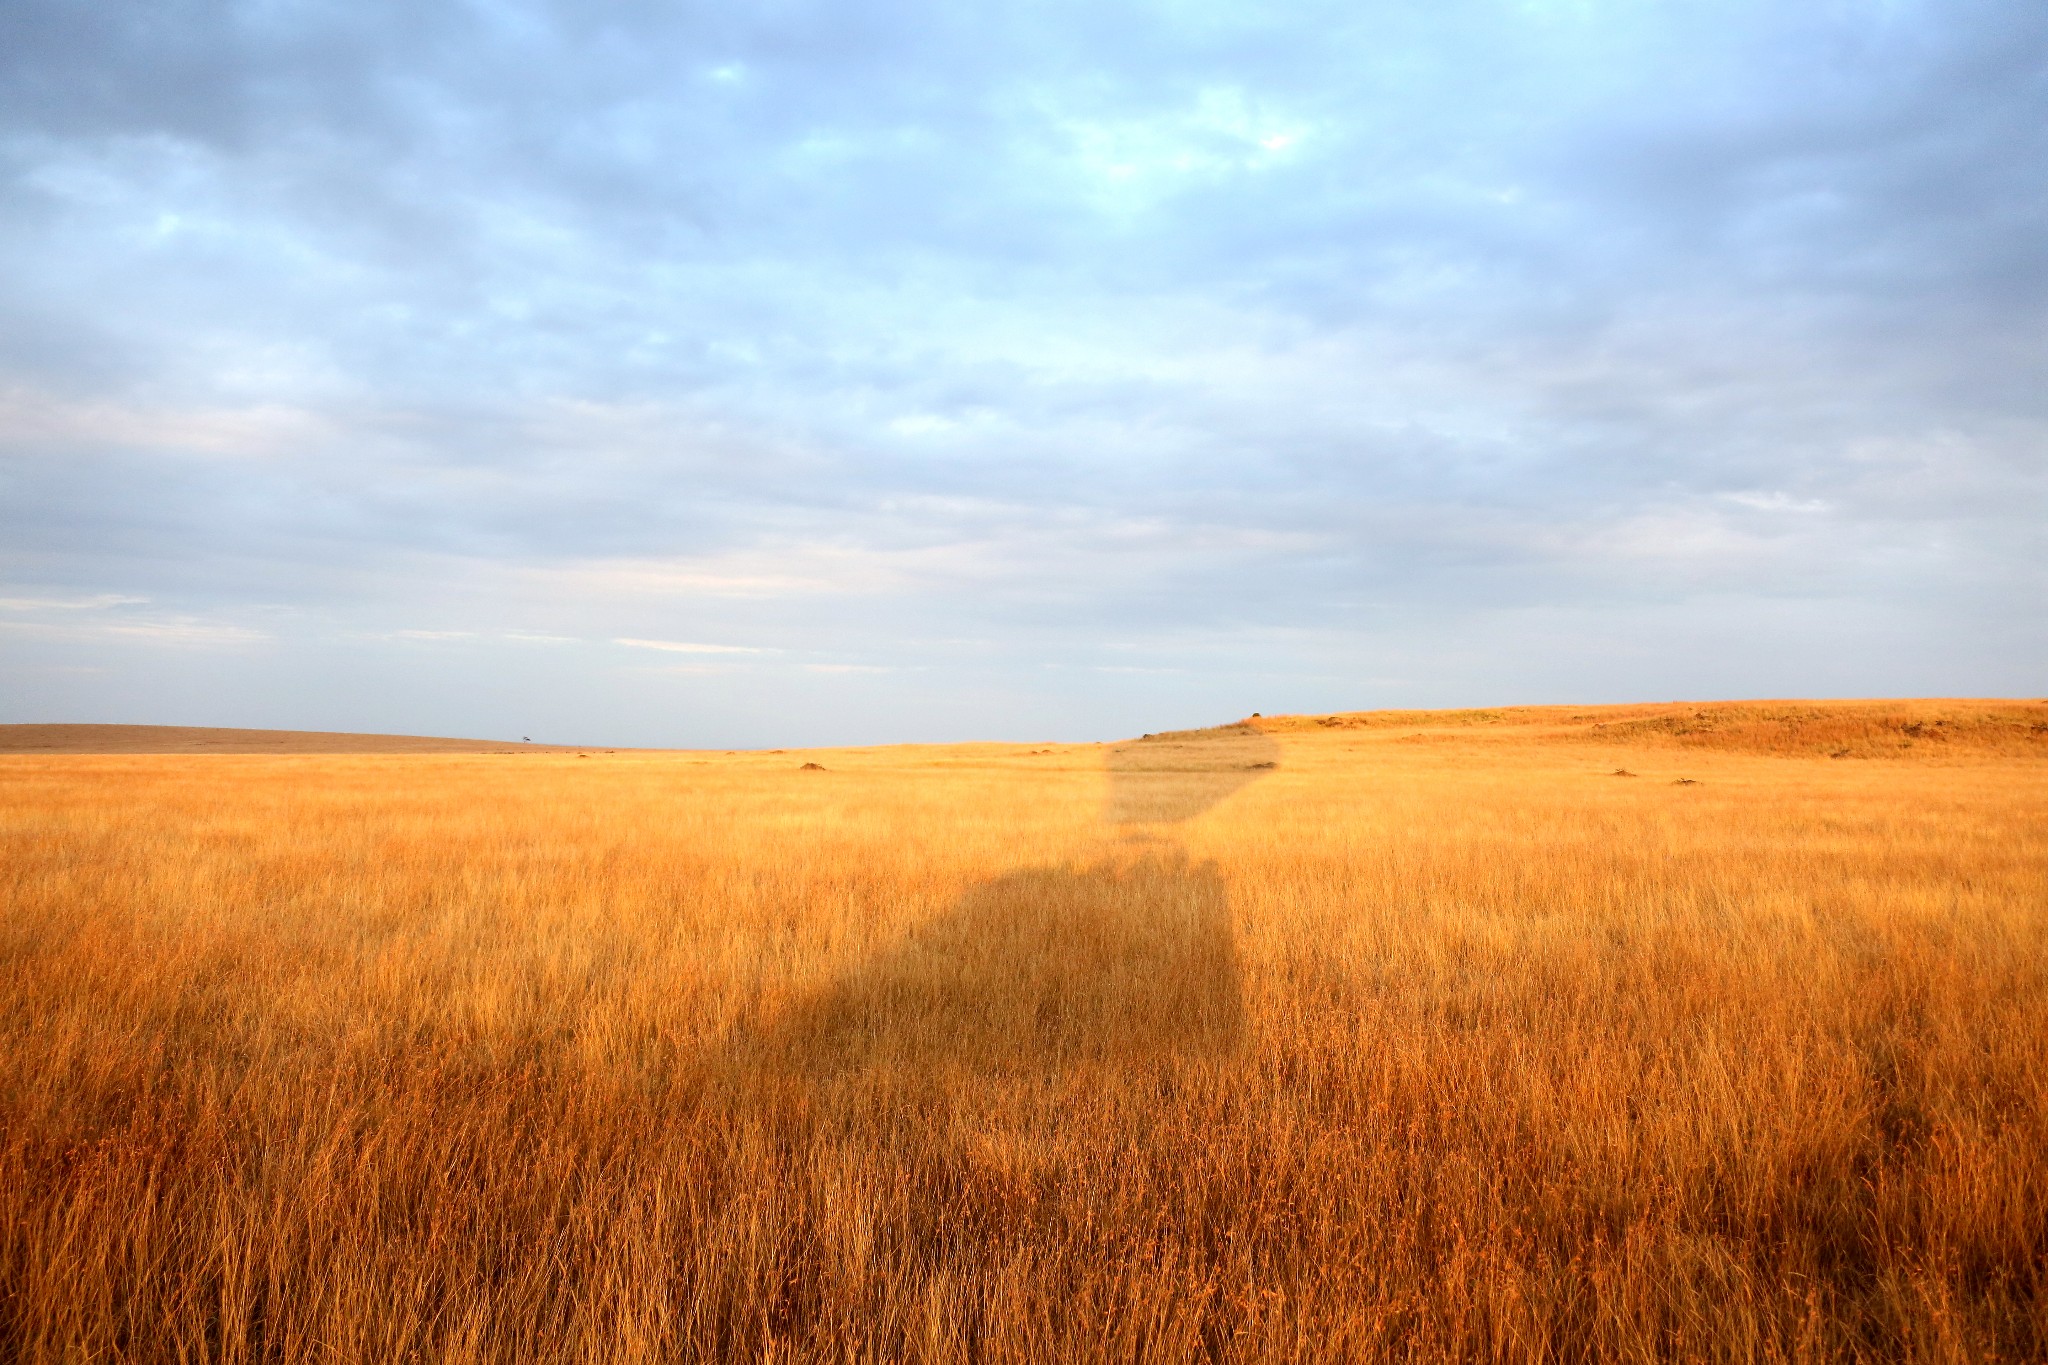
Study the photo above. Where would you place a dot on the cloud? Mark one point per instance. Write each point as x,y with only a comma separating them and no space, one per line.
98,602
105,617
681,647
865,332
171,632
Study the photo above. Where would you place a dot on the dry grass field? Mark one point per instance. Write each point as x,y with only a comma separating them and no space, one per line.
1397,1036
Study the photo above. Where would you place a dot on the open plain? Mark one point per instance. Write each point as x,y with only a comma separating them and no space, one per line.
1701,1032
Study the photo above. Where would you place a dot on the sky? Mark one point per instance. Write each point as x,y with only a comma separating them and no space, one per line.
785,373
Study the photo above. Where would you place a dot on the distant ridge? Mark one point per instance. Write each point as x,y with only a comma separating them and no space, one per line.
1861,728
199,739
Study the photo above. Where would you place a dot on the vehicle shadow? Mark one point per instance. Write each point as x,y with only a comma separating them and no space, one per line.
1129,956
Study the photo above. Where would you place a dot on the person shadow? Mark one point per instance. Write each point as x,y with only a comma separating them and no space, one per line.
1129,957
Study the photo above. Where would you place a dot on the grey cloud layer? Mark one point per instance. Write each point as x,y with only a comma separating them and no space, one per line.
1071,332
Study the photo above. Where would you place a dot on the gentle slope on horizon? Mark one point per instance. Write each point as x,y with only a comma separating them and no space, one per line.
207,739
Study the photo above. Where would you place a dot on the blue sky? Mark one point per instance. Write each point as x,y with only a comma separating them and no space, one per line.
790,373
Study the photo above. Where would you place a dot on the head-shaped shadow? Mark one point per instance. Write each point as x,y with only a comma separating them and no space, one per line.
1165,779
1126,958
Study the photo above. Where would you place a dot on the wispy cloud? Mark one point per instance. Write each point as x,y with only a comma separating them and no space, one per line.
52,423
97,602
688,647
171,632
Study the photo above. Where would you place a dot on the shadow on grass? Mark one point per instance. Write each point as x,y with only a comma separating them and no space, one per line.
1127,958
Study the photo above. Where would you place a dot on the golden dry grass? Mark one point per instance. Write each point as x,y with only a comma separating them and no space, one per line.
1834,729
1433,1041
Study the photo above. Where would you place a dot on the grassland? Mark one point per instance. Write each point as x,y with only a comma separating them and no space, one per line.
1418,1036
